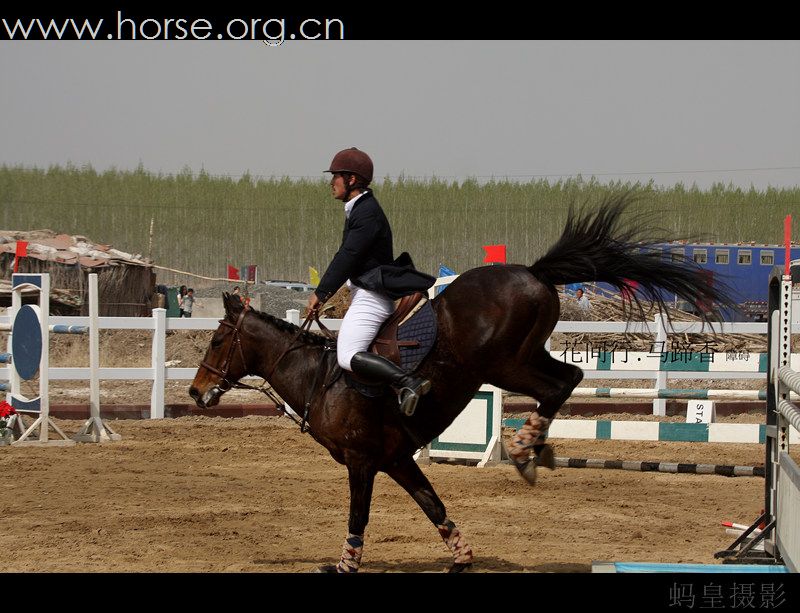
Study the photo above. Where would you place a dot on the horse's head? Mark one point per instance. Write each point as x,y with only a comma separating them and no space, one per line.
224,363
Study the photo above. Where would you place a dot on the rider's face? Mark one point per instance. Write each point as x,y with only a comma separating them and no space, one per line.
338,186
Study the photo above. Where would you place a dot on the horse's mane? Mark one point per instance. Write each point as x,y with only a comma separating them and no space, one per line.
309,338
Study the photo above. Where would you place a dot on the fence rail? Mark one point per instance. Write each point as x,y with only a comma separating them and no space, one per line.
159,372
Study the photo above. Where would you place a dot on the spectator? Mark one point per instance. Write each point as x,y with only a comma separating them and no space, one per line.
181,294
237,294
188,303
583,301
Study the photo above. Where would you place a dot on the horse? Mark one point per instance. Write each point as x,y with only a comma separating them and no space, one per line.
493,322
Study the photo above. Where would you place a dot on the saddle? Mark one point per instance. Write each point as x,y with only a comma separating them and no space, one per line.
386,343
405,338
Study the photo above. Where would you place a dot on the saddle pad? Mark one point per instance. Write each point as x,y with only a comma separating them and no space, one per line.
420,327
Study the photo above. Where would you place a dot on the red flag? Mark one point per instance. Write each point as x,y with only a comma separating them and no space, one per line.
628,291
22,251
495,253
233,273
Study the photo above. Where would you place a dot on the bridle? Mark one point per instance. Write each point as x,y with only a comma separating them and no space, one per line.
226,384
222,372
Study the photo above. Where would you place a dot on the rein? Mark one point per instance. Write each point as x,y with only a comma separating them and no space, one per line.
266,388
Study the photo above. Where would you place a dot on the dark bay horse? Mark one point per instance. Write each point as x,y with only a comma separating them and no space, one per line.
493,322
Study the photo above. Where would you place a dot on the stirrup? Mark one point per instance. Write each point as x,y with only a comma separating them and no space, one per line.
407,399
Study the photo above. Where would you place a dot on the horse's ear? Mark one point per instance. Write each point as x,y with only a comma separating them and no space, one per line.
232,305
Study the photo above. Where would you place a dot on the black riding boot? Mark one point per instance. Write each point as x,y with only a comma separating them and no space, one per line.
379,369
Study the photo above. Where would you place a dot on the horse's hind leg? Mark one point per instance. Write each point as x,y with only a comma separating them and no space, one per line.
551,383
409,476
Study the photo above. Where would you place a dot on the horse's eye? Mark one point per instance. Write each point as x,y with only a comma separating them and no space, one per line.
216,342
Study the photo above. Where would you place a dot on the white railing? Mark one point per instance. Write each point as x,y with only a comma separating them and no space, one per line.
159,372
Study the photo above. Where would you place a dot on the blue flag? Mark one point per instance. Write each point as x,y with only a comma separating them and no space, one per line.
444,271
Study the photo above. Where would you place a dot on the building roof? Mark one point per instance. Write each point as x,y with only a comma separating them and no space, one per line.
50,246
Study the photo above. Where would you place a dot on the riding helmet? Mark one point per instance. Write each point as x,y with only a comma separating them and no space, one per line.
352,160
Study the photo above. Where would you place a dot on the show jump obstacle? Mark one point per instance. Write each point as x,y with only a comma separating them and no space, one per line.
780,521
29,354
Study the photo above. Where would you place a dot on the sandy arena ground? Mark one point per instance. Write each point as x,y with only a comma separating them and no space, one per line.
253,494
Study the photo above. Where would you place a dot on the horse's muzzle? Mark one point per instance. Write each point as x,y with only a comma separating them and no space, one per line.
209,399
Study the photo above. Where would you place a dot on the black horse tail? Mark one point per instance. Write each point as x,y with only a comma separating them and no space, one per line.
598,246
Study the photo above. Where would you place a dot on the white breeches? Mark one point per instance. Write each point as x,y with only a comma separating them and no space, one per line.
367,311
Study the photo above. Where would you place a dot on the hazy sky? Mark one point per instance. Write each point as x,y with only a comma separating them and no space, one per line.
672,111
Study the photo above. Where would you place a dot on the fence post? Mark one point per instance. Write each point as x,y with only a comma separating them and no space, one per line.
159,369
94,348
293,316
660,404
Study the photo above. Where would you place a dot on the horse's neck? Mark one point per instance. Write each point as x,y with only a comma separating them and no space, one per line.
289,364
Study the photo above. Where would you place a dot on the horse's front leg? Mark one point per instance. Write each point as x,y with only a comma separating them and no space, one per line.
361,475
409,476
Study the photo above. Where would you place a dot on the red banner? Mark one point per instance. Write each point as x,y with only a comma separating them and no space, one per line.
495,253
233,273
22,251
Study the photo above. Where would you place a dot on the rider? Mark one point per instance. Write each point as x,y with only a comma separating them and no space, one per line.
364,261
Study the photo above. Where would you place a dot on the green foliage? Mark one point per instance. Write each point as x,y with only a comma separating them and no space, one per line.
203,222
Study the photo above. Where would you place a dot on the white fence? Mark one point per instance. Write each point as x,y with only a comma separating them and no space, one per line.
158,372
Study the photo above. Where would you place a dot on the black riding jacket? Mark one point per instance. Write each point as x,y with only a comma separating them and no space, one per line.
365,256
366,243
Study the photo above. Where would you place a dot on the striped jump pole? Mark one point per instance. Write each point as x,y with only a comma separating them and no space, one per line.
55,328
664,467
673,394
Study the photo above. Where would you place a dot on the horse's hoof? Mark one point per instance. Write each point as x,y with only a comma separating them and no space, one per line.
527,469
458,567
327,569
546,457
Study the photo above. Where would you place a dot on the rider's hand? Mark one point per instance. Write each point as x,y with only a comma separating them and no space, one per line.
314,303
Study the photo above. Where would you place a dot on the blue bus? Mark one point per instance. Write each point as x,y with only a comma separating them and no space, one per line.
745,267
